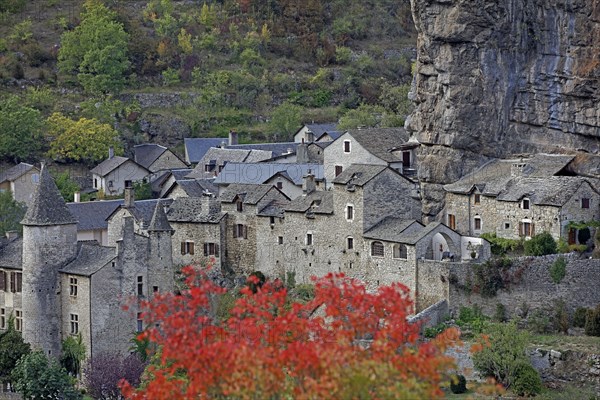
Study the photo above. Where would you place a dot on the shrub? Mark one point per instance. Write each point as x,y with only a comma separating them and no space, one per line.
500,313
561,316
432,331
592,322
501,246
458,384
540,245
579,317
527,381
472,318
539,322
558,270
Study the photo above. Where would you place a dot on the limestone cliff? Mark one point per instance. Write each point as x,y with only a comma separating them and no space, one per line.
496,78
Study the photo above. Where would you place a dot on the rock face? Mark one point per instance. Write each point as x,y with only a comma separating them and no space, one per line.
500,78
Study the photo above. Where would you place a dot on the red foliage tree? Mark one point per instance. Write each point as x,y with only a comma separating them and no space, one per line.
345,343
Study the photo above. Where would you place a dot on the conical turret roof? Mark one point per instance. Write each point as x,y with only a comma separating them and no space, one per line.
47,206
159,221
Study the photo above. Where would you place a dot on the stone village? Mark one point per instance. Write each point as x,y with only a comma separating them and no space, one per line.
329,201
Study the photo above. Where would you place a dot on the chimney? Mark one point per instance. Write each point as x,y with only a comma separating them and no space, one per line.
310,137
111,153
516,169
77,197
210,205
308,183
223,144
233,138
129,195
302,153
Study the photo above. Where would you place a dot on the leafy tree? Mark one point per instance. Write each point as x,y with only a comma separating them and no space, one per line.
36,377
73,353
143,190
558,270
66,186
96,51
285,120
540,245
84,140
11,213
365,115
12,348
20,130
273,348
12,6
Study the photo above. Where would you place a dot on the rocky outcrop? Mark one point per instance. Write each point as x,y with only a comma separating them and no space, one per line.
499,78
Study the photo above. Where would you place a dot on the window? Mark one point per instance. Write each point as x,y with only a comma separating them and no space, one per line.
346,146
477,223
279,185
507,225
155,289
377,249
350,243
74,324
400,251
240,231
309,239
140,285
2,318
110,184
477,199
585,203
280,240
338,169
525,204
406,159
211,249
3,283
526,228
271,220
140,322
16,282
95,183
239,206
349,212
209,167
19,320
35,178
72,286
451,221
187,247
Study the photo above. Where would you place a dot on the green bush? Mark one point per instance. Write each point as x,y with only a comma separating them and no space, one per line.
540,245
458,384
472,318
500,313
539,322
592,322
527,381
561,318
558,270
432,331
501,246
579,317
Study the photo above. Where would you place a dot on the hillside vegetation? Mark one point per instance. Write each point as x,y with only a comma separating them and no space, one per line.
160,70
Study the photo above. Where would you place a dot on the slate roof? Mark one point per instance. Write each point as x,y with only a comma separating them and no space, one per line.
108,165
393,229
380,141
548,191
92,215
194,187
191,209
158,182
91,257
414,237
250,193
47,206
143,210
275,208
320,129
15,172
494,176
332,134
11,253
277,149
262,172
159,222
359,174
146,154
197,147
219,156
309,203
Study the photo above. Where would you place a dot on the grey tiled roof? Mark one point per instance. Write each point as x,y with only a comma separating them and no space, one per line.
392,229
146,154
108,165
359,174
262,172
276,149
143,210
219,156
11,253
193,209
549,191
197,147
15,172
194,187
318,202
414,237
47,206
275,208
332,134
250,193
380,141
90,258
92,215
320,129
159,222
494,176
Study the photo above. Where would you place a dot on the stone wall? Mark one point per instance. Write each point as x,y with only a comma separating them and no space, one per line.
198,233
431,316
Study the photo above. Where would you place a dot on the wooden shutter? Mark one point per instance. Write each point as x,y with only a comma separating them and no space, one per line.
3,281
19,282
182,247
13,282
245,229
216,250
521,233
205,249
191,245
532,229
235,231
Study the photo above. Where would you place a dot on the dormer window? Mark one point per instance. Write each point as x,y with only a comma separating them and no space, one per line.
239,205
477,199
346,146
525,204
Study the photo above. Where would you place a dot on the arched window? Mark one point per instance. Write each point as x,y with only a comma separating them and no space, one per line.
400,251
377,249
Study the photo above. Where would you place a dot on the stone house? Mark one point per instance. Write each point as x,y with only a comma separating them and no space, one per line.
21,181
191,188
111,175
521,198
91,216
163,181
155,157
215,159
316,132
383,146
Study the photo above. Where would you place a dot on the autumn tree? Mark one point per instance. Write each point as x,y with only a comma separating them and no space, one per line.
344,343
96,51
85,140
20,130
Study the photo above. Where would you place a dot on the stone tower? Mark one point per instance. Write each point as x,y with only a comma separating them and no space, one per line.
160,257
49,243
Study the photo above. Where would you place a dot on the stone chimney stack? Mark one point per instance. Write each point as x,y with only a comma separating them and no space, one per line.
77,197
111,153
308,183
302,153
233,137
310,136
517,168
129,195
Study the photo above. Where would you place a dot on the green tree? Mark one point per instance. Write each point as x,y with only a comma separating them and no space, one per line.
73,353
66,186
143,190
20,130
36,377
365,115
540,245
285,120
11,213
84,140
96,51
12,348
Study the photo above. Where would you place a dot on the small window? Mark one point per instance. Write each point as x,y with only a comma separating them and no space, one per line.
211,249
35,178
525,204
377,249
309,239
187,247
239,206
72,286
585,203
19,320
240,231
140,285
155,289
477,223
279,185
400,251
346,146
16,282
110,184
271,220
338,169
507,225
140,322
350,243
74,324
451,221
477,199
349,212
2,318
280,240
3,281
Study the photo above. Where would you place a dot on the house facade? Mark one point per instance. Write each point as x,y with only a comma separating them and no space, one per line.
21,180
111,175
